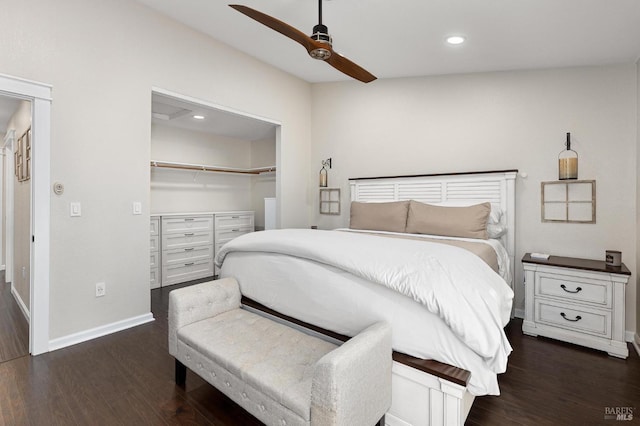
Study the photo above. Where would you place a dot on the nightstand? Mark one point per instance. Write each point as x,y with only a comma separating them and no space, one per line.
579,301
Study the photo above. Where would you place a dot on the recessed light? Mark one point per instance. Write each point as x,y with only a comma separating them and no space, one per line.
199,117
455,39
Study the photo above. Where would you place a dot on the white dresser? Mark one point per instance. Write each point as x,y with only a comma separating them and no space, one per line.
154,248
187,248
579,301
183,246
231,225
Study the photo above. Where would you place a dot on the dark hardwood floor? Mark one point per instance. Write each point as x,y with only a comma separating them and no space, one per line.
14,328
127,379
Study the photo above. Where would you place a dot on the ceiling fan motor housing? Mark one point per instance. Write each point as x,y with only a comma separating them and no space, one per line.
321,34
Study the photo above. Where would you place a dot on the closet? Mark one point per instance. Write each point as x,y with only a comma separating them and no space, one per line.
211,171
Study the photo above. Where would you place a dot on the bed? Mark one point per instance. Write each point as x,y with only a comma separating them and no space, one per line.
447,331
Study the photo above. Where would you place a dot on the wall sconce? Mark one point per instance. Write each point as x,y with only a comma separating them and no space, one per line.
323,172
568,162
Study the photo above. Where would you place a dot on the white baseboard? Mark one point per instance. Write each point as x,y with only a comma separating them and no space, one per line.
636,343
2,267
20,302
518,313
103,330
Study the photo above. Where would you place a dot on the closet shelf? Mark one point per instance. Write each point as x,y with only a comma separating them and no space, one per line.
206,168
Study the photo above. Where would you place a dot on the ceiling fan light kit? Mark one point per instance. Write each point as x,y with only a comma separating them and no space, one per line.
318,45
321,34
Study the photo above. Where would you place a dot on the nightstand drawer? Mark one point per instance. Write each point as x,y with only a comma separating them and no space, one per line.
574,317
574,289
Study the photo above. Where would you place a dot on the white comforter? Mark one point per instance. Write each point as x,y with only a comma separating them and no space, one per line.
452,283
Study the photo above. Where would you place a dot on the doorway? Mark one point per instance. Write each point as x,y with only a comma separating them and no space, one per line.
15,232
38,235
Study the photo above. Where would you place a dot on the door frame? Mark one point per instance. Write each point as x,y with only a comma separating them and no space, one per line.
40,96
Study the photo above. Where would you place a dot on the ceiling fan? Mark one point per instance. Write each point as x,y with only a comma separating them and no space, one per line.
318,45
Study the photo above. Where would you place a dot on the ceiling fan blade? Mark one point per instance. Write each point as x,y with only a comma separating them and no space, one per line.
351,69
277,25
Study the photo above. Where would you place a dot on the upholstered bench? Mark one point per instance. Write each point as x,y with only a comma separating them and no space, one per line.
280,375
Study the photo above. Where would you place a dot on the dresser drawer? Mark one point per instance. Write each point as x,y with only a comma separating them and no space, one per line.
188,254
155,260
154,243
178,273
574,317
155,278
574,289
187,224
186,239
244,220
225,235
155,226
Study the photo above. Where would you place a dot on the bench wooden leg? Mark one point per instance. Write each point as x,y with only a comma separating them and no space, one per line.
181,374
381,422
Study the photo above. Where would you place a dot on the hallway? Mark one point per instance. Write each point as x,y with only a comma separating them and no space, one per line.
14,329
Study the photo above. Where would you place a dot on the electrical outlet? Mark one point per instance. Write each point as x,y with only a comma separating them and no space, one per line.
101,289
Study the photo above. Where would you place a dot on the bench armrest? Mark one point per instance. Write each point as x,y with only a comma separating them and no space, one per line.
201,301
352,384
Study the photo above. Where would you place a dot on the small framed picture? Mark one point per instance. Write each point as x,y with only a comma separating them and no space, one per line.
19,164
27,154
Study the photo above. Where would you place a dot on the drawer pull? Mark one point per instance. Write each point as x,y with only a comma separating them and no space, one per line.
193,263
188,234
188,249
235,217
189,218
235,230
577,290
563,315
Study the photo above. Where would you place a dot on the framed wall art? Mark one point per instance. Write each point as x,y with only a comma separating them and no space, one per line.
22,157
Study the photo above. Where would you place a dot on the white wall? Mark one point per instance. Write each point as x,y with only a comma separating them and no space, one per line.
495,121
174,191
103,57
263,154
21,121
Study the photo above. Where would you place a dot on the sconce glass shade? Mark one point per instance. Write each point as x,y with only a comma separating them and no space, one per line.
323,177
568,162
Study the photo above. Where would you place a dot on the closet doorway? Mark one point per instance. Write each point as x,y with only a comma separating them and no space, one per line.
206,161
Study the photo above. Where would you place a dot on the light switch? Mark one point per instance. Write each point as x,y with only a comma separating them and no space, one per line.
137,207
75,209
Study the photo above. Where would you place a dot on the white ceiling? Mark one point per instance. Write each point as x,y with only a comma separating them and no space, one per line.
170,111
406,37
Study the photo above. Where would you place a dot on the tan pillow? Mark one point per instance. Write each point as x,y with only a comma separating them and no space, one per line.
467,222
379,216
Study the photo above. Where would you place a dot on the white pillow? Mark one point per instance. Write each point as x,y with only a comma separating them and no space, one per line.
496,230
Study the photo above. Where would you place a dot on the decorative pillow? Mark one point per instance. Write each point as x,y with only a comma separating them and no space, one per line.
466,222
390,217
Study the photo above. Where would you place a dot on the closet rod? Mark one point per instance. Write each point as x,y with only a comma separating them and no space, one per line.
205,168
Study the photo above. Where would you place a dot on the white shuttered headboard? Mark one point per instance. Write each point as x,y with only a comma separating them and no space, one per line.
498,188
